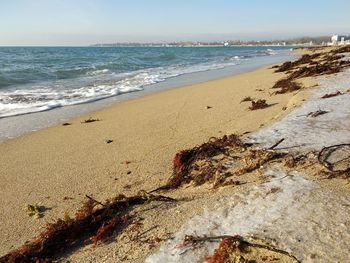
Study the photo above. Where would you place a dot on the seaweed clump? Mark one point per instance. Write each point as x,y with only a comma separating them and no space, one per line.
234,249
94,222
309,66
258,104
345,49
185,161
305,59
216,161
286,85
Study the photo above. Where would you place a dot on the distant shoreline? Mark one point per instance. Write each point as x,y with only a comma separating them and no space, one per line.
199,46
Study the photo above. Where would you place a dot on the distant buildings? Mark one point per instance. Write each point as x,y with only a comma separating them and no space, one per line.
339,40
302,41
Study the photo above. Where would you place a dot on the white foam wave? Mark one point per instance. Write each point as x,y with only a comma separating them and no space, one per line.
30,99
98,72
271,52
97,84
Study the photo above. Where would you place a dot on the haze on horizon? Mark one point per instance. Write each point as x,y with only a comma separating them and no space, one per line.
85,22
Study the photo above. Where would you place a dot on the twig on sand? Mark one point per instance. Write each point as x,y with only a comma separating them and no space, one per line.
330,95
317,113
97,202
89,120
276,144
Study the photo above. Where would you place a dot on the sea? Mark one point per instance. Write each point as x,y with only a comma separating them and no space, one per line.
65,82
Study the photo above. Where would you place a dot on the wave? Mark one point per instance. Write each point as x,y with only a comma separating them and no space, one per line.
97,72
271,52
101,81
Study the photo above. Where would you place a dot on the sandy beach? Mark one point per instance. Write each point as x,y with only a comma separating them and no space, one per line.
48,165
130,148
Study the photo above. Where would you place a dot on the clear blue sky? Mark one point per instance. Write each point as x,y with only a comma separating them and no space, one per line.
83,22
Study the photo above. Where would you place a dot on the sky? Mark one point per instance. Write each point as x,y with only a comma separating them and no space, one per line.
85,22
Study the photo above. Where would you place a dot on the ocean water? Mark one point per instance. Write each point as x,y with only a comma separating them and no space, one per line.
34,79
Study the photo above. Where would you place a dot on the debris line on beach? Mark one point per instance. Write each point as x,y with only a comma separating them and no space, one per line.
310,66
94,222
200,164
238,249
286,85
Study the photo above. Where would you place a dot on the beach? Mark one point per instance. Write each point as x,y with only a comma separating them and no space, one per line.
129,147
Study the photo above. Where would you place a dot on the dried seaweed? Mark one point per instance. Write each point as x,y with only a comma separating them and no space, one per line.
286,85
236,249
309,66
107,228
245,99
184,162
285,67
256,158
332,57
305,59
232,248
319,69
198,165
259,104
345,49
90,223
89,120
334,94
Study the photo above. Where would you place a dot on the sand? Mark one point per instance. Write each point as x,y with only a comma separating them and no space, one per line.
56,167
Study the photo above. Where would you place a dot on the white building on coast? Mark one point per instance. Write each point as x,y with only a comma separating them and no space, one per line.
339,40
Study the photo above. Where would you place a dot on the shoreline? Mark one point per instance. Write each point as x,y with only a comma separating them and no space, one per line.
49,165
19,125
252,185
